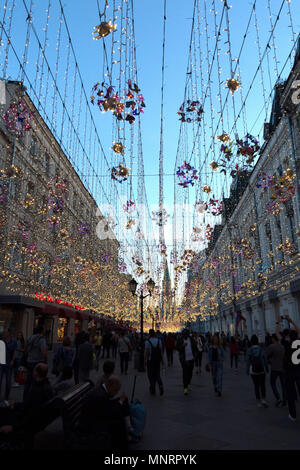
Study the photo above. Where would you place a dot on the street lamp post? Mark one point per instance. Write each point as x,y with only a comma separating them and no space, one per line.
133,286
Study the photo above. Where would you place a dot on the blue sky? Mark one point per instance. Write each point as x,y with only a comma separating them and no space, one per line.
83,16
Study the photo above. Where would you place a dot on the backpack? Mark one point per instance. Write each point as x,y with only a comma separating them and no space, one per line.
257,364
155,353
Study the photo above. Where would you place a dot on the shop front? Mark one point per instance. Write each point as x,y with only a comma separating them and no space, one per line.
8,318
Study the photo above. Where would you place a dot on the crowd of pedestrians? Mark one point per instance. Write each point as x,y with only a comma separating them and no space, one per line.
72,363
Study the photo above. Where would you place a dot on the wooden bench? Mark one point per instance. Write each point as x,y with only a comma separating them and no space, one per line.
71,405
68,406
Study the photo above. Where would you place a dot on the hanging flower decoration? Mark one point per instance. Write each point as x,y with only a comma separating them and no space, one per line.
135,103
248,148
160,217
264,181
120,173
226,149
84,229
103,29
18,118
224,137
129,207
118,147
215,206
190,111
187,174
107,100
233,85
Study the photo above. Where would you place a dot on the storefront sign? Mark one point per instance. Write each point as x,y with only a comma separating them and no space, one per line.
53,300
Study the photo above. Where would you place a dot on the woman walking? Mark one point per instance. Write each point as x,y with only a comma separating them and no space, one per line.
215,359
234,352
257,367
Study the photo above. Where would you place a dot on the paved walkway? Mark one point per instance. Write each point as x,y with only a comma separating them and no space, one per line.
202,421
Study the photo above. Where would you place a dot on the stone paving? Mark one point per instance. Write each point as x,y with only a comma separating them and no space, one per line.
200,421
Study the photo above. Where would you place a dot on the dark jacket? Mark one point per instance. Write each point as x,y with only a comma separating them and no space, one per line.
100,413
181,348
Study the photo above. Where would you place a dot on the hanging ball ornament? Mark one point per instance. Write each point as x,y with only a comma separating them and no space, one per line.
118,147
233,85
103,29
223,137
120,173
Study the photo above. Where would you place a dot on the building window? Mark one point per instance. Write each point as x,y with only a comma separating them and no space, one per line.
34,147
47,163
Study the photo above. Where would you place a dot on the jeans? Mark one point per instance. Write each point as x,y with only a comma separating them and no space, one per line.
273,379
124,358
8,372
236,357
153,370
187,372
259,381
217,374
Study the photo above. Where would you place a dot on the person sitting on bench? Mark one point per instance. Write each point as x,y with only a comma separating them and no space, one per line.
21,417
104,411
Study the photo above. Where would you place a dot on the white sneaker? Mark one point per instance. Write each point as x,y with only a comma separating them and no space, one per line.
292,419
264,403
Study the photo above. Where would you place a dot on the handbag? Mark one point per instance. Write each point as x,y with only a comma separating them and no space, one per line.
207,367
21,377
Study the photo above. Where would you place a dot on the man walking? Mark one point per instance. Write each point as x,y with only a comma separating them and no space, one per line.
36,349
187,348
275,356
153,359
